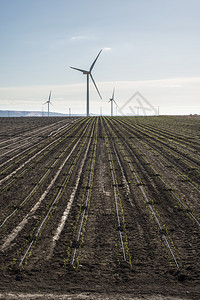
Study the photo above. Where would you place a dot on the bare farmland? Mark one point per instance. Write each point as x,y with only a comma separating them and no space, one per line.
100,204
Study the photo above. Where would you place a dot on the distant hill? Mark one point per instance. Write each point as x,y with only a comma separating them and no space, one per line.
21,113
15,113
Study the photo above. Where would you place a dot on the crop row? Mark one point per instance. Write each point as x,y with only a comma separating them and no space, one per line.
47,171
34,148
154,172
169,141
163,202
38,157
76,243
183,141
161,226
164,149
53,200
102,194
180,127
19,129
118,206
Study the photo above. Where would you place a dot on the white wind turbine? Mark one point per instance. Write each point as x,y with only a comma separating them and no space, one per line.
111,101
89,74
48,102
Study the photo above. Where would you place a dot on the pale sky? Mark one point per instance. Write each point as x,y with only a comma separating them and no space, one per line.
150,46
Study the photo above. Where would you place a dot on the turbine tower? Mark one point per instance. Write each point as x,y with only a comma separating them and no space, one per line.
48,102
89,75
111,102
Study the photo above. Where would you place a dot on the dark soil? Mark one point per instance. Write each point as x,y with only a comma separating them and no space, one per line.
90,237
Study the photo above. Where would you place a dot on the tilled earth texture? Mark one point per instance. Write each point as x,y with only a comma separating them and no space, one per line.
100,208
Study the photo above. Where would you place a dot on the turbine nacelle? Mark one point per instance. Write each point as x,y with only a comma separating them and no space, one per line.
83,71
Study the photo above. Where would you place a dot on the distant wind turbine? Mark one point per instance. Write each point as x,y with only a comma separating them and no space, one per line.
48,102
89,74
111,101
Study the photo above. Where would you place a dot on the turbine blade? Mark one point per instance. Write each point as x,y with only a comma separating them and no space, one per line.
49,96
45,102
84,71
95,86
116,103
92,66
113,93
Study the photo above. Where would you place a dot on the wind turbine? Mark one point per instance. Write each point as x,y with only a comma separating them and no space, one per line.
89,74
49,102
111,101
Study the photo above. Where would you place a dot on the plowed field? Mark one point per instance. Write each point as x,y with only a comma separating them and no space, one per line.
100,204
